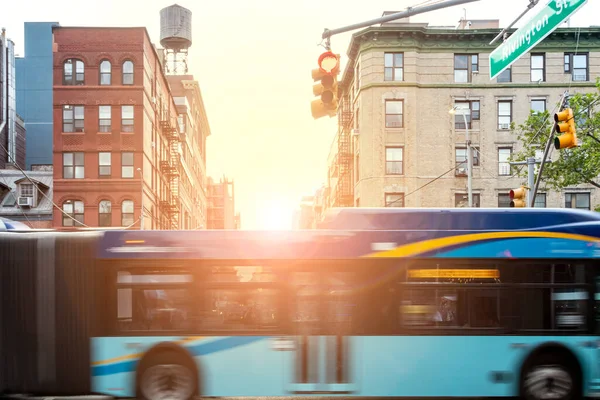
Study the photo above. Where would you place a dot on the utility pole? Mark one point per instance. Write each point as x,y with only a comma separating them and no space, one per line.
327,34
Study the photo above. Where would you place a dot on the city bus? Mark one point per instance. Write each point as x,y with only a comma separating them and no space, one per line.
375,303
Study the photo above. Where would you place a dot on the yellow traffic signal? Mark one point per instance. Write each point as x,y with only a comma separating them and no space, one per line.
517,197
327,86
565,124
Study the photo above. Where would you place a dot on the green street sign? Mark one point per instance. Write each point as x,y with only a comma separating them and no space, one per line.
532,33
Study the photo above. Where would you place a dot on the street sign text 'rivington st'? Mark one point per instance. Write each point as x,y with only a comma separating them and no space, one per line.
532,33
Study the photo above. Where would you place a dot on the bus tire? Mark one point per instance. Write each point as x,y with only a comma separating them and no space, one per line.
551,375
167,375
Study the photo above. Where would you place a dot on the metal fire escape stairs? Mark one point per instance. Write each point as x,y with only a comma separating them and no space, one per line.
170,169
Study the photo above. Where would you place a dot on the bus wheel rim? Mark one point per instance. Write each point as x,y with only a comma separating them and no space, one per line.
549,382
167,382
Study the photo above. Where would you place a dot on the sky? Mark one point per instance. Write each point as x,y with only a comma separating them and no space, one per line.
253,60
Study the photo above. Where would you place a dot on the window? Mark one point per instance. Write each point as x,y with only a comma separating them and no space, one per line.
504,154
128,73
26,190
394,199
105,213
505,76
357,169
540,200
461,160
126,165
464,66
470,110
104,164
538,68
126,118
144,295
73,210
127,213
394,66
577,200
73,120
394,113
73,166
503,200
538,105
70,78
104,115
394,160
461,200
577,66
105,72
504,114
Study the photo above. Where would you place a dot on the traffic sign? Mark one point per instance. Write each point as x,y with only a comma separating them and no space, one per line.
532,33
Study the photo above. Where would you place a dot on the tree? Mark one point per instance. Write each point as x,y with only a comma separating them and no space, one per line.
569,167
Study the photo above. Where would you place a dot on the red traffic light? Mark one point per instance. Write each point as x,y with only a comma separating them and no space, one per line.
329,63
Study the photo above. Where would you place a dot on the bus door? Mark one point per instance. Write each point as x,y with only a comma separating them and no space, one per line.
323,313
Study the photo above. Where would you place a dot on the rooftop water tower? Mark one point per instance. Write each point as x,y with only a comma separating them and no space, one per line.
176,38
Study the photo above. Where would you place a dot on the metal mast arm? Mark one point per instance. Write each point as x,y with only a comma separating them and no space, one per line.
408,13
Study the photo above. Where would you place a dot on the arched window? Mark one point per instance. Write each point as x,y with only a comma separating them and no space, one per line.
105,213
105,72
73,72
127,213
74,209
128,73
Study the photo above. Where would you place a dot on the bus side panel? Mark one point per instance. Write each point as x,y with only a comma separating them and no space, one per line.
229,365
458,366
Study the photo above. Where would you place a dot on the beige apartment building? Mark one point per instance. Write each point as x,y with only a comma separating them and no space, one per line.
397,144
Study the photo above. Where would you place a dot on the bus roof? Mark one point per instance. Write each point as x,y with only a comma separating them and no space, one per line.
452,218
485,234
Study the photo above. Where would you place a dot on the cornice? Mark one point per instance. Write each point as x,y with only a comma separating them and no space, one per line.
535,85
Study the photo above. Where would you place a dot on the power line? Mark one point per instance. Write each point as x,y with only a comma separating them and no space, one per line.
428,183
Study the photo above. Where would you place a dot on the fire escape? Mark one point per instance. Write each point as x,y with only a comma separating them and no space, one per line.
345,189
169,202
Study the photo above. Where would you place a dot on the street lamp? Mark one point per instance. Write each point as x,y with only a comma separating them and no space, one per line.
464,113
141,200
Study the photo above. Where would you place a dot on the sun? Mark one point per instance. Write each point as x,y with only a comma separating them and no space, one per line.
274,215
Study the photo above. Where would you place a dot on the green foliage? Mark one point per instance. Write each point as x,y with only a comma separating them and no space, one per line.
569,166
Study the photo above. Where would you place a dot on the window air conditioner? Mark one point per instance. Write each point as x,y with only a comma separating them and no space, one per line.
25,201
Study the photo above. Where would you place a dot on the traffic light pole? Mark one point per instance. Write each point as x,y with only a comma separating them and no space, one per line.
328,33
563,101
530,162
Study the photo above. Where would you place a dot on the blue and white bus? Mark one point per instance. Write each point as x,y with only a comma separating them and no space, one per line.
378,303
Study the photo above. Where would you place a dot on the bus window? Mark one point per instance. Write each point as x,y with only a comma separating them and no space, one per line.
154,300
239,309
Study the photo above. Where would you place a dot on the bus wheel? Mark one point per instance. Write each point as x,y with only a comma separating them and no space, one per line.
549,376
167,376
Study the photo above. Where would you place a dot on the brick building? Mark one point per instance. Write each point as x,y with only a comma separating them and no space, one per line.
194,130
221,205
117,141
395,131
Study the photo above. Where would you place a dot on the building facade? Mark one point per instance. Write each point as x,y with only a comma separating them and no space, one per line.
221,205
397,145
117,142
27,199
194,130
34,92
12,128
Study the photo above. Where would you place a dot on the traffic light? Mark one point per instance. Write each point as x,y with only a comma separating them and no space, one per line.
327,86
517,197
565,124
